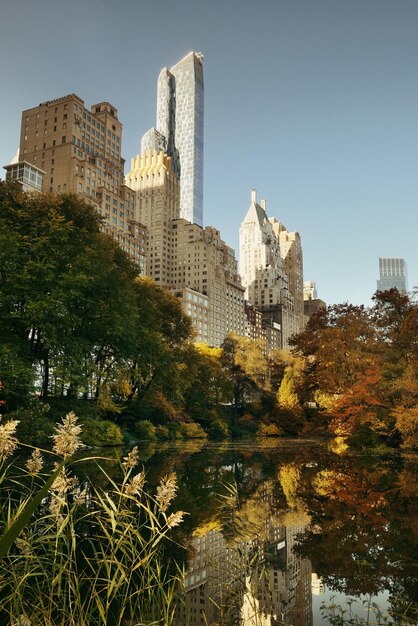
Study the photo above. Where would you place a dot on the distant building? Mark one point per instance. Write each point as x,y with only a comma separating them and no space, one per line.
179,130
29,176
79,150
311,303
392,274
260,328
309,290
194,262
266,249
313,306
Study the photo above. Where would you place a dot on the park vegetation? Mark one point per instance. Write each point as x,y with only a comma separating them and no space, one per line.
81,331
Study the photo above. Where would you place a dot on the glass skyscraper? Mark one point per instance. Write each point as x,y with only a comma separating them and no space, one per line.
180,111
392,275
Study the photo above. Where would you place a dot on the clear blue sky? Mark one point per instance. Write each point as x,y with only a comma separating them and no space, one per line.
312,102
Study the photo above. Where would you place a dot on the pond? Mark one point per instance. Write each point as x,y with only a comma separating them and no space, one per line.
278,529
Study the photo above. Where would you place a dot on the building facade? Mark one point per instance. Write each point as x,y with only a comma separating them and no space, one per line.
193,262
179,130
311,303
392,275
157,193
262,267
80,151
27,175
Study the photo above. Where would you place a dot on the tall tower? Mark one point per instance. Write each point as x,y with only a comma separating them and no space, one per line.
271,267
179,130
392,274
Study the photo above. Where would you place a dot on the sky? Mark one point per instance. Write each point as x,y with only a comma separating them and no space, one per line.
314,103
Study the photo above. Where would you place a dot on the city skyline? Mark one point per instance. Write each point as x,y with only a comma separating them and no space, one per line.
313,106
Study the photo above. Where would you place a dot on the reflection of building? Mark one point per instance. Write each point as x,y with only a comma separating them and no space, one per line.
179,130
29,176
392,275
80,151
214,583
260,577
267,251
317,585
283,583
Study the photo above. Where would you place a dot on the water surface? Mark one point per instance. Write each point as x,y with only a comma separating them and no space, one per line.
277,528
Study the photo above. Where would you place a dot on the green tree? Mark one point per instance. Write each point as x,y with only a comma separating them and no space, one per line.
66,295
159,344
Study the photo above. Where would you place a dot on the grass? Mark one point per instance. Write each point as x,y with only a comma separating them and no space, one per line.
81,555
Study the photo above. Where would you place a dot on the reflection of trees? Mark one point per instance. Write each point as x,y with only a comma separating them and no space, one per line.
364,531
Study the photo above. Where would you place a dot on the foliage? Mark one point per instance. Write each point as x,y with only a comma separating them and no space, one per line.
247,367
100,432
218,429
248,423
206,384
35,424
191,430
145,430
268,430
361,366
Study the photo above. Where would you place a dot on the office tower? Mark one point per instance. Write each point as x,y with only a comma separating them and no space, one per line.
193,262
393,275
179,130
80,152
262,269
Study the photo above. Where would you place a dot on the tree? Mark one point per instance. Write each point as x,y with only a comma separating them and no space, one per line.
246,365
206,385
65,292
159,344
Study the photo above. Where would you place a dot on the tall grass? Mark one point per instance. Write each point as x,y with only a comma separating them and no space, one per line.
81,555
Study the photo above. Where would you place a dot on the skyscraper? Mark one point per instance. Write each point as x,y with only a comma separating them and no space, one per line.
179,130
194,262
392,275
78,150
267,252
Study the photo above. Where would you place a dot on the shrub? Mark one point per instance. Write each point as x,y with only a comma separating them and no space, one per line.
97,432
248,423
145,430
35,424
269,430
162,432
218,430
191,430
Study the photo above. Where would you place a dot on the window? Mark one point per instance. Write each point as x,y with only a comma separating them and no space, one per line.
64,139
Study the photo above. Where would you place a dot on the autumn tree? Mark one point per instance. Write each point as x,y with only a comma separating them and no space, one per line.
247,367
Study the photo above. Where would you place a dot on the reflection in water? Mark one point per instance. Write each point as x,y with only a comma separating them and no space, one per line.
272,527
258,582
